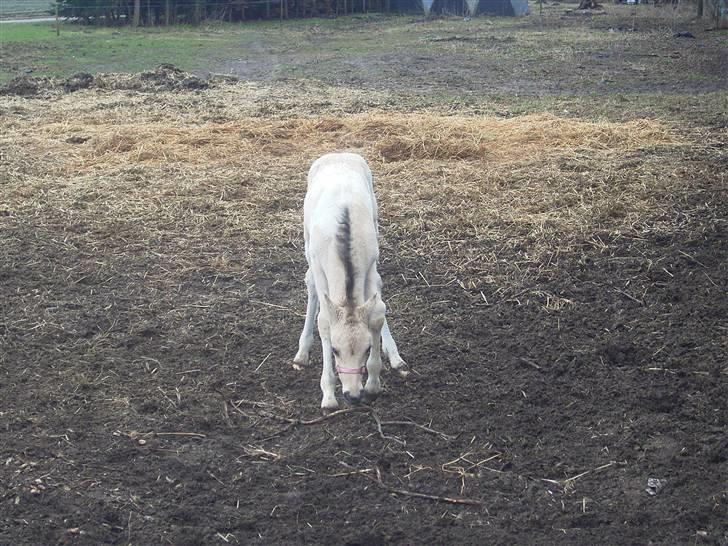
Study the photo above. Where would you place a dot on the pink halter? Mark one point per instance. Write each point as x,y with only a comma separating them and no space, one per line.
358,371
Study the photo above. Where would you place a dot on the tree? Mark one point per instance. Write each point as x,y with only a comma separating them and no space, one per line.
137,12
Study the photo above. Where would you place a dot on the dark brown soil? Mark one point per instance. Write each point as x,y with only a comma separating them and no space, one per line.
131,412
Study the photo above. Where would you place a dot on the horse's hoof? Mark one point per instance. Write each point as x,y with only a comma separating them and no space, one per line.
401,368
300,362
370,397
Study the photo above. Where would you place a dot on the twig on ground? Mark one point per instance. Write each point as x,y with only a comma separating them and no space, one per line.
293,422
261,453
275,306
421,427
328,416
254,403
530,362
465,472
263,362
381,432
226,414
567,481
692,258
629,296
193,434
416,494
351,473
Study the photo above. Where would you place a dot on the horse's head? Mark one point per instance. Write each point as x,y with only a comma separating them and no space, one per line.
352,331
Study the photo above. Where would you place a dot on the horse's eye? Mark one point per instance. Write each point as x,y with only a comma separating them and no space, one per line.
368,351
336,352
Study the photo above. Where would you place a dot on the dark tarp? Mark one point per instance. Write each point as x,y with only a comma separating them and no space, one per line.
513,8
510,8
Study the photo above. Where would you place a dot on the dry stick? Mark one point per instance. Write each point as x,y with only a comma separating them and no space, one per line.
226,414
691,258
574,478
193,434
530,363
361,409
260,452
293,422
381,432
253,403
422,427
285,429
630,296
263,362
330,415
353,472
404,492
274,305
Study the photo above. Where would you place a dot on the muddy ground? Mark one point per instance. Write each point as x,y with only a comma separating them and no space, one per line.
564,315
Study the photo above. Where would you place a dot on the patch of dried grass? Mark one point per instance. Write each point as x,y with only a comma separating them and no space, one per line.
386,137
453,190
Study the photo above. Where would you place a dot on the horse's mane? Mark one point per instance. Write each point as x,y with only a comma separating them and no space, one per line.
343,238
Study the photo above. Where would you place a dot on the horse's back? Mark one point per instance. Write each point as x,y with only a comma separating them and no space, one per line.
336,182
339,166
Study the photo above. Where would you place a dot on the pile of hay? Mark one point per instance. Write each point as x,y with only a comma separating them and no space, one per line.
379,136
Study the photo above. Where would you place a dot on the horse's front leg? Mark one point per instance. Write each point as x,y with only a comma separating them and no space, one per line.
328,377
374,286
373,386
391,352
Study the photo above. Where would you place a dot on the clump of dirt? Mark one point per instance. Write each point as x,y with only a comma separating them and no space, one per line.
82,80
23,86
170,78
165,77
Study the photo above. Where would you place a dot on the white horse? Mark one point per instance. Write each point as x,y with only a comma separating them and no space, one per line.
344,288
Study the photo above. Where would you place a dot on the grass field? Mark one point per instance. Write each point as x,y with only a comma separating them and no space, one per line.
17,8
35,46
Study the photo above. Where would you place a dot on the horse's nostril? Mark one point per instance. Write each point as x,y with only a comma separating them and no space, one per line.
351,400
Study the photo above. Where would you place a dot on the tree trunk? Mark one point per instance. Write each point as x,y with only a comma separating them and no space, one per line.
137,12
167,12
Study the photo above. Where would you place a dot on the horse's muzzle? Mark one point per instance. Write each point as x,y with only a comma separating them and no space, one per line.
352,400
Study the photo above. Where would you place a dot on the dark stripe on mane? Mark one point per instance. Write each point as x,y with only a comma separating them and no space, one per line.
343,238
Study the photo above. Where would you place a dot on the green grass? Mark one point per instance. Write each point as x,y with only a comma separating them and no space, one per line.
35,48
89,49
26,32
10,8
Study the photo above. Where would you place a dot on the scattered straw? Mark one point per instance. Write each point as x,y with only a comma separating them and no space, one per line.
128,172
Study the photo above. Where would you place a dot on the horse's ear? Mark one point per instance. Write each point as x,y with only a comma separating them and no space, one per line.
372,311
334,312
